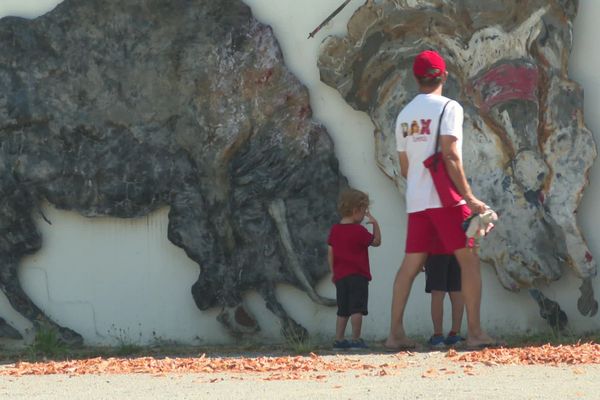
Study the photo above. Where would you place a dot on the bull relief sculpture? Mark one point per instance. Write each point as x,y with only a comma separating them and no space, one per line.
116,108
526,148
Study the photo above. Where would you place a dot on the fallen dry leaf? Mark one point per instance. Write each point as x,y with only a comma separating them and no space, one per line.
451,353
580,353
430,373
277,368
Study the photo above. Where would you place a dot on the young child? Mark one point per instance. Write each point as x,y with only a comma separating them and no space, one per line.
348,257
443,276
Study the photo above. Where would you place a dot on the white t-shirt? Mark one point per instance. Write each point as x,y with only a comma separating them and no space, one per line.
416,127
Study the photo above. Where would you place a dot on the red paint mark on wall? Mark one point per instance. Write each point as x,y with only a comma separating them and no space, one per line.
265,77
542,197
507,82
305,112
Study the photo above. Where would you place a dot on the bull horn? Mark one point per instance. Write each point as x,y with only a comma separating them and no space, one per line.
277,212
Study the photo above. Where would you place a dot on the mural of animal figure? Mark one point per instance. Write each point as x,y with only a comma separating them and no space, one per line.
117,108
526,149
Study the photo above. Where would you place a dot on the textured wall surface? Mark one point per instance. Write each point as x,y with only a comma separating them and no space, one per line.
112,108
527,151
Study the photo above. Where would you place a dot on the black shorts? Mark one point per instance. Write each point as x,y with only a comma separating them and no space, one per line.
352,295
442,273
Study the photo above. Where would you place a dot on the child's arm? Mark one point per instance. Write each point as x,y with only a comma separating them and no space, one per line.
330,259
376,231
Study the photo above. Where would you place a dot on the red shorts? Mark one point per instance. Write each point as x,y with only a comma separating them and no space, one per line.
437,230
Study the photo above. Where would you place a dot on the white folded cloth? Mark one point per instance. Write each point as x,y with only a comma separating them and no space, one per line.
479,226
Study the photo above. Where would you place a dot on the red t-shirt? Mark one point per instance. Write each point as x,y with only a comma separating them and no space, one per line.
350,244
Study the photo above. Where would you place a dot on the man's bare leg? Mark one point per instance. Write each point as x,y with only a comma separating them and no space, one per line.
458,307
471,290
410,268
437,311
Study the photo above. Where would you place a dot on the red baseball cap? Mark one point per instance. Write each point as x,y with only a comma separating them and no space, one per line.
429,64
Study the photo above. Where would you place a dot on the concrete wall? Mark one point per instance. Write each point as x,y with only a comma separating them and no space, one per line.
122,281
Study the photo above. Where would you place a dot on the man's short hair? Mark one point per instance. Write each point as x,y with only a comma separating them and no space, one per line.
427,81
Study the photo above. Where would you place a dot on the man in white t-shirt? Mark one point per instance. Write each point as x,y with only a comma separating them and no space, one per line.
431,227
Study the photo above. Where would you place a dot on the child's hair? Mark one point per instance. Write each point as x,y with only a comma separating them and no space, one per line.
351,199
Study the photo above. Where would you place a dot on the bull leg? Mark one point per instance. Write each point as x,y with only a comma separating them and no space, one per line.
587,304
11,287
207,238
204,291
290,329
19,236
238,321
277,211
550,310
189,229
8,332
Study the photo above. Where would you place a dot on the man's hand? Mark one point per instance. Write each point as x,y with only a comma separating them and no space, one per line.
477,206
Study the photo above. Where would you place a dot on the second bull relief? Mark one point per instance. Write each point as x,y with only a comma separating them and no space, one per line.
526,150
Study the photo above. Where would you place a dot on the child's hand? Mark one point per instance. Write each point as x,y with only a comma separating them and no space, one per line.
371,218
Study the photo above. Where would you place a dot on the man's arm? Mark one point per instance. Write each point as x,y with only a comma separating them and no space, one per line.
403,163
457,174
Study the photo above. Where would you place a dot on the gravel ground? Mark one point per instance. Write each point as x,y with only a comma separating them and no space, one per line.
425,375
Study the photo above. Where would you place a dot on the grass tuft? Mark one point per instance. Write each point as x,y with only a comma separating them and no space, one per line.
298,343
47,343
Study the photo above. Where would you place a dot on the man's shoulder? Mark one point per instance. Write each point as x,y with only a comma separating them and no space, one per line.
407,110
414,102
454,104
442,100
420,102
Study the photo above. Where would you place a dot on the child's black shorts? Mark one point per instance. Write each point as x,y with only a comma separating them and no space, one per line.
352,294
442,273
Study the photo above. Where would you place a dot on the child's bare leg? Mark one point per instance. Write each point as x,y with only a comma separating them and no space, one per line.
458,307
340,327
437,311
410,268
356,320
